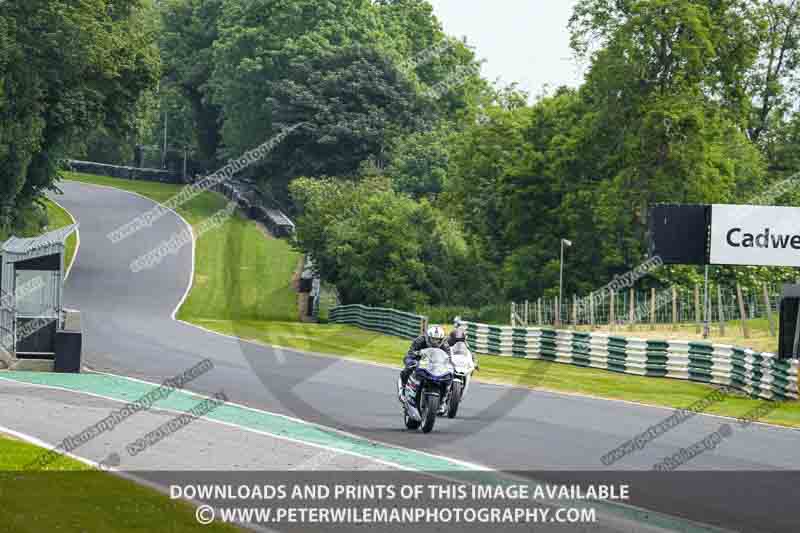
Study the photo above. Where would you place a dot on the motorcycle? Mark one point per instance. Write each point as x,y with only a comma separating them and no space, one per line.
463,366
427,387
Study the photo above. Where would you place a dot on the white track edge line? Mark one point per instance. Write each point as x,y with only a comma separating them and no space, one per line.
77,240
42,444
30,439
226,423
557,393
466,464
180,304
174,212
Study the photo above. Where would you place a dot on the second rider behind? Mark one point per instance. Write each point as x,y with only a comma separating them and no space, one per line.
459,334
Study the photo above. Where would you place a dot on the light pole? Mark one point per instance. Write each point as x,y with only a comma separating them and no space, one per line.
561,278
706,309
164,152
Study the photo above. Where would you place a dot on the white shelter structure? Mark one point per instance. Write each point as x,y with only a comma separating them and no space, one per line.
32,274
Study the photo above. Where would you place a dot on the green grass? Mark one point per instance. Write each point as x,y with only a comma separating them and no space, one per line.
360,345
239,273
56,218
73,498
225,266
760,338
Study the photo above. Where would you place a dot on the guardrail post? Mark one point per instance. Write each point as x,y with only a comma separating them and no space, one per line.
674,308
653,308
697,317
556,304
611,320
742,313
591,309
575,310
721,311
631,310
769,311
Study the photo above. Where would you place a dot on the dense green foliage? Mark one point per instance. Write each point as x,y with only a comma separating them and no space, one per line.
380,247
66,68
683,101
413,180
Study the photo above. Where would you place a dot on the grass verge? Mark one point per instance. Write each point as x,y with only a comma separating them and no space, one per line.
360,345
71,497
760,338
239,273
209,306
56,218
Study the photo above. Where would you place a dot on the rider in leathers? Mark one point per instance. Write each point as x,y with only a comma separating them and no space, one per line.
459,335
433,338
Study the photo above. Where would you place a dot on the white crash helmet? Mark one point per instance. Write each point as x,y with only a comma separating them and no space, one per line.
435,336
458,322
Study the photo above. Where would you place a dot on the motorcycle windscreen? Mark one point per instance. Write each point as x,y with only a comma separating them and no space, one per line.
462,357
435,361
460,348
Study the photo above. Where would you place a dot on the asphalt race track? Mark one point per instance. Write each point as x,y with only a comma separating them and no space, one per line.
129,330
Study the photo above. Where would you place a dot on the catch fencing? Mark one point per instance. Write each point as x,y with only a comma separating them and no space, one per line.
757,374
389,321
669,305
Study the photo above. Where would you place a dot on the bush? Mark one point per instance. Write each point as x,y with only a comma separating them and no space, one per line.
497,314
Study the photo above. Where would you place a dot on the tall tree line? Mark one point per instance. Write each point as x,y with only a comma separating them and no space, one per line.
66,68
413,180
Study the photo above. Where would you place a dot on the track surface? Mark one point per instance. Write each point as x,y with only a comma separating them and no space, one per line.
50,415
129,330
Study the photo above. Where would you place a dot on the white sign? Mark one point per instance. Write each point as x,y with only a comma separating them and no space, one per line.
755,235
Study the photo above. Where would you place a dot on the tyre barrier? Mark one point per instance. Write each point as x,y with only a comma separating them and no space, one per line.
758,374
389,321
248,200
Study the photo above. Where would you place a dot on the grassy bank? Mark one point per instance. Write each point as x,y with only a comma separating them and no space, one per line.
360,345
259,283
72,498
240,274
56,218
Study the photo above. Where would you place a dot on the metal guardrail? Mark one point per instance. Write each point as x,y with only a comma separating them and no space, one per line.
758,374
389,321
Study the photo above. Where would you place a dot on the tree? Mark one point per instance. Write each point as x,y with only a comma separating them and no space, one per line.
351,103
382,248
66,67
777,67
190,29
668,83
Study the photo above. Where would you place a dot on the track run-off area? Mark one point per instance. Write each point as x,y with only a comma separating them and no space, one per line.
289,409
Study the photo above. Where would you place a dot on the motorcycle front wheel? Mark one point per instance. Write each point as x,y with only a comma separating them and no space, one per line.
429,412
455,398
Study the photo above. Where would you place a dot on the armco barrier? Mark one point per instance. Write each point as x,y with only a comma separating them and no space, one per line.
244,193
758,374
128,173
379,319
